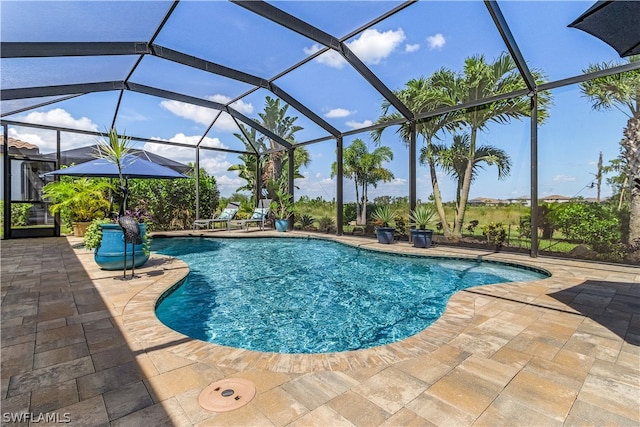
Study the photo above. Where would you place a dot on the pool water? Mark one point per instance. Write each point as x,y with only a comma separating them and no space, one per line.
292,295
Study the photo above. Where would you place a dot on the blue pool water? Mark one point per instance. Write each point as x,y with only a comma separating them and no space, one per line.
293,295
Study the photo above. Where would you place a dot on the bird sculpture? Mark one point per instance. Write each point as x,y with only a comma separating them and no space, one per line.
131,231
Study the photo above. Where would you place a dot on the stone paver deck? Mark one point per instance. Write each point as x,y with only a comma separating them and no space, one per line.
80,346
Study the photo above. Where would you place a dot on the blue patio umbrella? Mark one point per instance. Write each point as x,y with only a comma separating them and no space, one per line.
132,167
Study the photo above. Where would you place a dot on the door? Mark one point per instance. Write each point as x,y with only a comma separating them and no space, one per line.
29,212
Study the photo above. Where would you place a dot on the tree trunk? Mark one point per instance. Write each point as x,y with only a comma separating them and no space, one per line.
633,255
438,199
363,206
461,202
631,145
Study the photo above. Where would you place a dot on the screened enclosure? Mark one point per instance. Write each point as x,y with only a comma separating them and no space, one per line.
228,86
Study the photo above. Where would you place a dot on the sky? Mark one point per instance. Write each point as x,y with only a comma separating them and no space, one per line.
413,43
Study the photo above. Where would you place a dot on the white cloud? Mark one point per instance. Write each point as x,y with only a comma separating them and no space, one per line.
371,47
212,161
337,113
205,116
198,114
411,47
46,139
357,125
436,41
227,185
60,117
330,58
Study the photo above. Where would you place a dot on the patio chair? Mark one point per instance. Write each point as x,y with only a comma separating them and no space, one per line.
225,216
260,214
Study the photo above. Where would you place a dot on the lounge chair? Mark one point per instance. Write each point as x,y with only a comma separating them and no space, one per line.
225,216
260,214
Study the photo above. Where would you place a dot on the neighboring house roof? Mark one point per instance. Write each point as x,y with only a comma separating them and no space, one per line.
20,145
484,200
556,197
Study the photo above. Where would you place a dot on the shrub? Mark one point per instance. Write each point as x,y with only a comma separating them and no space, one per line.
349,212
592,224
325,224
496,234
306,221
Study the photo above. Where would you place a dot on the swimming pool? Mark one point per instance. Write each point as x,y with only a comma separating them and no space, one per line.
293,295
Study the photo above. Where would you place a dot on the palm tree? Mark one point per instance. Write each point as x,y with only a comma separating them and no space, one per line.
420,97
454,160
481,80
622,91
276,120
274,168
364,168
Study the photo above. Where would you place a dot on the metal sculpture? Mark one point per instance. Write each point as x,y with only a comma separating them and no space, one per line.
131,232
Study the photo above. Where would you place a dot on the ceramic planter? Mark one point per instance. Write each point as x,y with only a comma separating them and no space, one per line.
385,234
422,238
79,228
110,254
282,225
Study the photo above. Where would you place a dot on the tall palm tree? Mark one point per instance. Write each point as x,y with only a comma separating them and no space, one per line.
364,168
445,88
418,95
622,91
482,80
276,120
454,160
273,165
247,167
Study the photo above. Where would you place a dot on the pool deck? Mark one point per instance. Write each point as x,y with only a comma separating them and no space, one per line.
80,345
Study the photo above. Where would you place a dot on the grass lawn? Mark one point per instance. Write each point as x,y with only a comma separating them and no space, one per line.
508,215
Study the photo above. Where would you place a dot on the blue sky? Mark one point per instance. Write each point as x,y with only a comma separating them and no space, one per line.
413,43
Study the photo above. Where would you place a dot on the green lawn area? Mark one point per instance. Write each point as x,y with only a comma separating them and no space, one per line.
508,215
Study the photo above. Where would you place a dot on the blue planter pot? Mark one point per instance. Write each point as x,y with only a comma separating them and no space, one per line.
110,254
385,234
422,238
282,225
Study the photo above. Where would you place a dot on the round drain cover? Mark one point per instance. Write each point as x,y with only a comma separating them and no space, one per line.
227,395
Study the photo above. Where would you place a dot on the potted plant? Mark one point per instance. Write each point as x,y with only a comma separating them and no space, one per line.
106,239
78,201
282,208
383,216
420,218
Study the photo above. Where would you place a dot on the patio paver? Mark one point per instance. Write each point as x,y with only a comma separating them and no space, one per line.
78,343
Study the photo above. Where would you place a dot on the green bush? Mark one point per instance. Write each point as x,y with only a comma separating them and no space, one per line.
350,212
325,224
496,234
595,225
19,214
172,202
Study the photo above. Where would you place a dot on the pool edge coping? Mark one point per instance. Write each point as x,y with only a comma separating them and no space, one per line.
139,319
